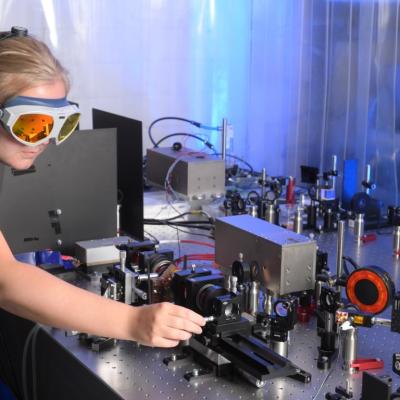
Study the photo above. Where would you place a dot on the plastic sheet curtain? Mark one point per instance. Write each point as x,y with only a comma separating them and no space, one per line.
149,58
325,80
300,80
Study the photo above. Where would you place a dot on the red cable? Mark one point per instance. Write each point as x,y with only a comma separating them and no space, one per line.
198,242
197,257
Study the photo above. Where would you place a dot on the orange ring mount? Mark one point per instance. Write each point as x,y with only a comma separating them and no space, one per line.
370,288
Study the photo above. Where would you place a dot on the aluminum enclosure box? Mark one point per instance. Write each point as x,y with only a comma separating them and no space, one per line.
196,176
100,251
286,259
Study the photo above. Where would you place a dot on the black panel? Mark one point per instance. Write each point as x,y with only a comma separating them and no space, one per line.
59,375
78,177
130,169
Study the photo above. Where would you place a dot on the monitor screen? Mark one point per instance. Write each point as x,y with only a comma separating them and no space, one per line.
70,194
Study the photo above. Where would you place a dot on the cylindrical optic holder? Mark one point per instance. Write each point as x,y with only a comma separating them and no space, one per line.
396,241
358,227
349,347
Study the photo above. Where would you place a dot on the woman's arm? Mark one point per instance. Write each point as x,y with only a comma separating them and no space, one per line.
32,293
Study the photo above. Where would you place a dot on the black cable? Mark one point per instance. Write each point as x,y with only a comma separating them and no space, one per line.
201,227
173,224
34,372
325,379
351,261
152,236
333,368
184,222
180,216
205,141
179,242
193,213
32,332
251,169
250,193
193,233
196,225
351,306
197,124
346,269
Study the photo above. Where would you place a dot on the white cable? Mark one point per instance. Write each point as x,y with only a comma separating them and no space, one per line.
33,332
332,369
168,186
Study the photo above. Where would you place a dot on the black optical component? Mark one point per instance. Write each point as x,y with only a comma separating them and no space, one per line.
19,31
246,272
202,290
16,31
309,174
393,215
322,262
235,203
178,283
242,271
159,261
214,300
330,299
286,312
395,325
376,387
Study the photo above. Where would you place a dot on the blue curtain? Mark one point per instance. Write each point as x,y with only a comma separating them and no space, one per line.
299,80
325,82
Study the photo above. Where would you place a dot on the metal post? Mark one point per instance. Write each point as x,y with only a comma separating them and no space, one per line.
270,214
298,220
253,298
359,228
267,302
280,347
396,241
334,169
233,283
339,251
263,182
122,260
224,135
368,177
349,347
253,210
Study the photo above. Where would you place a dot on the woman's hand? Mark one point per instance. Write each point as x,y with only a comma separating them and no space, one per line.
165,324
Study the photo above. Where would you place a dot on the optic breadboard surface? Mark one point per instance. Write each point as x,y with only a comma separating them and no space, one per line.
138,372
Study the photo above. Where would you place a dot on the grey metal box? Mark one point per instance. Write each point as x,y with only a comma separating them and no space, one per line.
100,251
286,259
196,175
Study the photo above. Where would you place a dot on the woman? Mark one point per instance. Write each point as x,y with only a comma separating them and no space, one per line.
31,77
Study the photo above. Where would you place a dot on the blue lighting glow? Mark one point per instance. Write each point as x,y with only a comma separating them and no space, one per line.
220,63
48,10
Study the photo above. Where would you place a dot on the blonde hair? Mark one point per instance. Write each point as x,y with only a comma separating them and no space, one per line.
26,62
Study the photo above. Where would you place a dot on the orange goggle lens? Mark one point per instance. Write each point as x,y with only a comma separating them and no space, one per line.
33,127
69,126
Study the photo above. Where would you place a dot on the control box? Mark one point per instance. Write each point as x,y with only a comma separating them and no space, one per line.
285,260
195,175
100,251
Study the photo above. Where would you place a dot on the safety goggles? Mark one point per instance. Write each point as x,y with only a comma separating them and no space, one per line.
33,121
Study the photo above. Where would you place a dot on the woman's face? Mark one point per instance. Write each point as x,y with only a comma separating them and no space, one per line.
16,154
